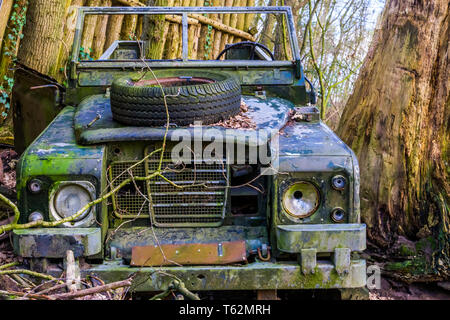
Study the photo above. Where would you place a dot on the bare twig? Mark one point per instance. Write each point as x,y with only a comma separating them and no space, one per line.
93,290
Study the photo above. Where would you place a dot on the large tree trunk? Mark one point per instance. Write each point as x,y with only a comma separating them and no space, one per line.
5,11
154,27
42,35
397,122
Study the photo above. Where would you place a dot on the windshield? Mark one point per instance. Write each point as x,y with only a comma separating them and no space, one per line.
185,34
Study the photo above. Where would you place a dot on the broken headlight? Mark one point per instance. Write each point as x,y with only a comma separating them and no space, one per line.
301,199
68,197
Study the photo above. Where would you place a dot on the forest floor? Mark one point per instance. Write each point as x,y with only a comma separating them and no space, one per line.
391,289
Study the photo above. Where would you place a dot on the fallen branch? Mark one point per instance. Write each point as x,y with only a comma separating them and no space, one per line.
195,18
23,294
93,290
180,287
28,272
9,265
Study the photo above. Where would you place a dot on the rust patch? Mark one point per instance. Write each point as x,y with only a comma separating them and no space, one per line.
189,254
172,81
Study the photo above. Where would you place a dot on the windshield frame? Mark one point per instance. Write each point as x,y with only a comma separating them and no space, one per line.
184,62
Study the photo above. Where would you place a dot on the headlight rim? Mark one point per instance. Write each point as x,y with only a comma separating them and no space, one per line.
87,219
310,213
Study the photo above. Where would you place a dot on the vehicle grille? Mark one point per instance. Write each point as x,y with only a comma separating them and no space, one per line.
195,196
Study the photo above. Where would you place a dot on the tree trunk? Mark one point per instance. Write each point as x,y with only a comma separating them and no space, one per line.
129,27
154,27
42,38
98,42
226,20
113,30
65,48
233,21
5,11
267,36
90,22
173,38
11,41
218,34
202,49
193,40
397,122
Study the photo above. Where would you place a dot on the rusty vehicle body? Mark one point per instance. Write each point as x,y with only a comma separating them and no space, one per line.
235,238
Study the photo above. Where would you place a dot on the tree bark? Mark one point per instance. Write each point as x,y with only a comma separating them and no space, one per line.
154,27
226,20
65,49
233,21
5,11
202,49
114,26
98,42
218,34
267,36
397,122
89,28
43,32
129,27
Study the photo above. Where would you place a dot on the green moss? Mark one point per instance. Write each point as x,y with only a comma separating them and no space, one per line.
406,251
399,266
426,243
416,266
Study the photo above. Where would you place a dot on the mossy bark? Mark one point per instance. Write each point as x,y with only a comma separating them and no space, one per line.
397,122
42,36
154,27
11,42
173,38
202,49
129,24
267,36
194,33
65,49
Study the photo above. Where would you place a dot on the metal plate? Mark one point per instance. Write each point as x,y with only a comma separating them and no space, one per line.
189,254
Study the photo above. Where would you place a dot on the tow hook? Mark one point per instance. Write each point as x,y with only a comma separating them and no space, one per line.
264,252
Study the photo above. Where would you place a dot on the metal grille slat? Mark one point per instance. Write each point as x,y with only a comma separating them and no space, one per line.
198,199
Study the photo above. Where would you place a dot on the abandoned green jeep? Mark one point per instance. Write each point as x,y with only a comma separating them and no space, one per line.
207,164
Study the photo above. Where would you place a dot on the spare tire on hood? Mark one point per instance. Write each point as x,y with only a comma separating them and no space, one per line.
190,96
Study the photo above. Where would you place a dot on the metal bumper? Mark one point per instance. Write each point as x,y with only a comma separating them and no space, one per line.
253,276
53,242
308,240
321,237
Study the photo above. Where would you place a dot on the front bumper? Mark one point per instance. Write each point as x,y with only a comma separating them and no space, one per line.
253,276
307,241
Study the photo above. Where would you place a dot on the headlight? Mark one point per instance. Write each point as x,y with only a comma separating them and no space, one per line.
301,199
68,198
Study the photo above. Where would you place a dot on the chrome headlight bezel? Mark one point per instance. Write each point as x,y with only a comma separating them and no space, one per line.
289,192
87,219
